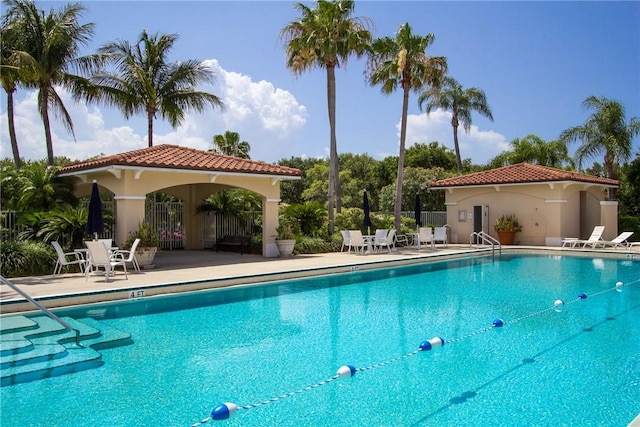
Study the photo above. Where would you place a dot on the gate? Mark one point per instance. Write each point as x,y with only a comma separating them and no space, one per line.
167,218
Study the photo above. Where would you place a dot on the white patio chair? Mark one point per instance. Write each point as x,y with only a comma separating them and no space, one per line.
356,241
388,240
426,236
65,259
440,235
107,243
100,257
594,240
130,255
346,240
379,235
620,240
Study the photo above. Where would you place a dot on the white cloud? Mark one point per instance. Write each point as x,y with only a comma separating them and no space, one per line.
479,145
269,118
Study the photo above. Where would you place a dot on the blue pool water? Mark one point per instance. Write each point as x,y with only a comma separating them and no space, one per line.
190,352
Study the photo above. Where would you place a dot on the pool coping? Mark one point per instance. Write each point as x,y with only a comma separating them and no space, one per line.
360,263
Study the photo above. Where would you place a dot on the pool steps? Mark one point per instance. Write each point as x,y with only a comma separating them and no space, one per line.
33,348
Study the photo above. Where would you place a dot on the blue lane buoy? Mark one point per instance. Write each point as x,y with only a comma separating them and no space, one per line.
224,411
346,371
498,323
582,296
432,343
619,286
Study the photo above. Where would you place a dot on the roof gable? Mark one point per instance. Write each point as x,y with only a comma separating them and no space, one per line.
521,173
181,158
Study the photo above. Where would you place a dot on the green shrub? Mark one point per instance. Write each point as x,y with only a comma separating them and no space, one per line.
630,223
26,258
314,245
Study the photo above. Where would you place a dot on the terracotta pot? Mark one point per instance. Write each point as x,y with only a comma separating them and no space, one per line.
506,237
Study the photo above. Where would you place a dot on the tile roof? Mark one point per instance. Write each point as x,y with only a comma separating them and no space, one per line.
521,173
183,158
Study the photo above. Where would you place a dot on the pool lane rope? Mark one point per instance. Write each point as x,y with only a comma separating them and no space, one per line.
227,409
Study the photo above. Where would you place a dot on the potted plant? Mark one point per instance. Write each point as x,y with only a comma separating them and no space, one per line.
286,239
148,246
507,226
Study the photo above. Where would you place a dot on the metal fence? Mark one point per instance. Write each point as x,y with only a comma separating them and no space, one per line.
434,218
217,225
167,218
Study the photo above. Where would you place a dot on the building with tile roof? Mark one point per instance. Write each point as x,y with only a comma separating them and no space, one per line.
186,173
550,203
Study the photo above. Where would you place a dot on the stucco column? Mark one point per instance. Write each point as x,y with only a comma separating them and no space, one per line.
269,225
609,218
554,228
129,212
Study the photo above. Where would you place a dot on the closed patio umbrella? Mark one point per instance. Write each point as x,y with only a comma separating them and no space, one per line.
418,212
95,222
367,218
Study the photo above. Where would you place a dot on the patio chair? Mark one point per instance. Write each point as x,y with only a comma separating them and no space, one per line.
356,241
426,236
387,240
100,257
130,255
346,240
440,235
595,239
621,240
379,235
107,243
65,259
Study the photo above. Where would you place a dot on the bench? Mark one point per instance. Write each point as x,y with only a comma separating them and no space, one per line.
235,244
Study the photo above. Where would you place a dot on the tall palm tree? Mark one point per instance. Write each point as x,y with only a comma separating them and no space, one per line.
53,41
451,96
606,130
533,149
145,82
229,143
402,62
325,37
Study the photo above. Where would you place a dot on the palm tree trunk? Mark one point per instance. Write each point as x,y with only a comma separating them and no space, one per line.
403,137
150,115
12,131
333,150
456,145
43,100
608,167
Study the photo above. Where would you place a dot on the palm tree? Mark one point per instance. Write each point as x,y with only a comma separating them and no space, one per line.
324,37
53,41
461,102
229,143
606,130
533,149
403,62
145,82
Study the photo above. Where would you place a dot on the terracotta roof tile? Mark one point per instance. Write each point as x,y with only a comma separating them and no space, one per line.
185,158
520,173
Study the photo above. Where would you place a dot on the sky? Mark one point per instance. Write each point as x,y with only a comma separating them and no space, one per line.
536,61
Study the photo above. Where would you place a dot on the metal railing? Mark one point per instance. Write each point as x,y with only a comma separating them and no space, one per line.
484,238
43,309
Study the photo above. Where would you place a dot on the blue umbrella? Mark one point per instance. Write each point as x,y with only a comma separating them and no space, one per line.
367,218
95,222
418,211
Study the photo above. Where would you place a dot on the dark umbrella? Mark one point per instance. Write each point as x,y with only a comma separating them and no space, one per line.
367,218
418,211
95,222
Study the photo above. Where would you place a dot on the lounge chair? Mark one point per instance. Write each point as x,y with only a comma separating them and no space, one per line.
65,259
621,240
440,235
100,257
388,239
594,240
346,240
426,236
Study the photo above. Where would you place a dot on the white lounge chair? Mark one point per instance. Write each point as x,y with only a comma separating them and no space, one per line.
130,255
440,235
594,240
621,240
356,241
100,257
65,259
346,240
426,236
386,239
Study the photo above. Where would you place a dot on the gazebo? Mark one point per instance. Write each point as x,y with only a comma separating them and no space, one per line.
550,203
186,173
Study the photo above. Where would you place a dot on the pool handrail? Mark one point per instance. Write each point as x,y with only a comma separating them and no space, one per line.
485,239
43,309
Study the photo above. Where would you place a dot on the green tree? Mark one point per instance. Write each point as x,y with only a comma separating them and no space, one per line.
430,156
291,191
533,149
417,181
629,193
325,37
229,143
145,82
53,41
451,96
41,189
605,131
402,62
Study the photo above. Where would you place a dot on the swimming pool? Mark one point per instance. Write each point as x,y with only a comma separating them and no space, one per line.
247,345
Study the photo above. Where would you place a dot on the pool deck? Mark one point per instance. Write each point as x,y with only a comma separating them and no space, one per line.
182,271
